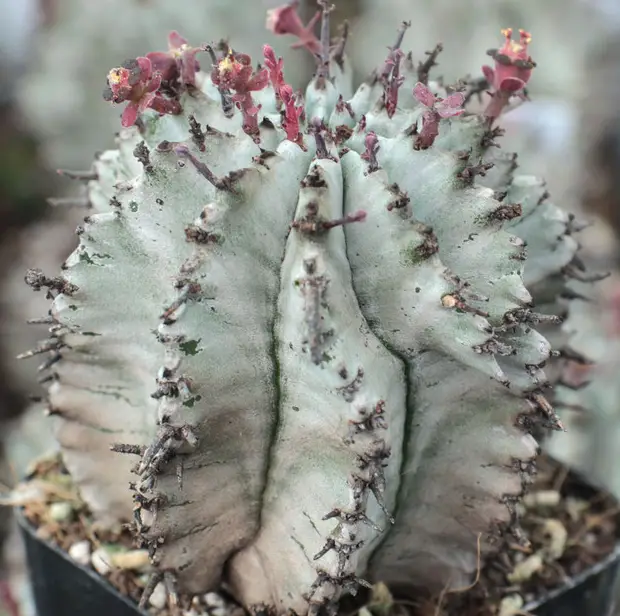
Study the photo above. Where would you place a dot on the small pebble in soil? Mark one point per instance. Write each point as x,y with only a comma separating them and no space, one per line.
159,598
555,536
543,499
216,604
511,605
101,561
61,511
575,507
80,552
134,560
524,570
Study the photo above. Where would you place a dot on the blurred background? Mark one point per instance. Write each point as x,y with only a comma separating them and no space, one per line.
55,54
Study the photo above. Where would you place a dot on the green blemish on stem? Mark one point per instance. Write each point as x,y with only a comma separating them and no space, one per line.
412,255
190,403
190,347
88,259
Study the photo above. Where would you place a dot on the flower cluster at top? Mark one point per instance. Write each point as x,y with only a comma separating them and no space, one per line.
155,81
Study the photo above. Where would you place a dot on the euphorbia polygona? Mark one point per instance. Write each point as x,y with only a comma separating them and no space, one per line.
309,322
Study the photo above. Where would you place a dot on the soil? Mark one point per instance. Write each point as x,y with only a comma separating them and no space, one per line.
570,525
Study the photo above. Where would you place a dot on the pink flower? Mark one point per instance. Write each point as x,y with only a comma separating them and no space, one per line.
234,72
274,67
513,64
436,109
285,20
134,82
179,62
292,113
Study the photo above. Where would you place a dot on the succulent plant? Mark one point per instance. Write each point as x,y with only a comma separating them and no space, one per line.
305,321
589,376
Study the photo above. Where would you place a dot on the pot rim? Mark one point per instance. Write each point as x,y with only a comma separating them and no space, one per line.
578,579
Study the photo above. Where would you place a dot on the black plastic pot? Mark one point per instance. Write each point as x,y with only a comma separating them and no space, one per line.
62,587
590,594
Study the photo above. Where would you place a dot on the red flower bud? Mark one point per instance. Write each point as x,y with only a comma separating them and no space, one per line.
513,64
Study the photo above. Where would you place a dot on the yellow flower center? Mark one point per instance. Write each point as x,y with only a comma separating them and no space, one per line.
228,64
115,76
526,39
177,52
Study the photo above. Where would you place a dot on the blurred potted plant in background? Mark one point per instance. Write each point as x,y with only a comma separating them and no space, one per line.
591,374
